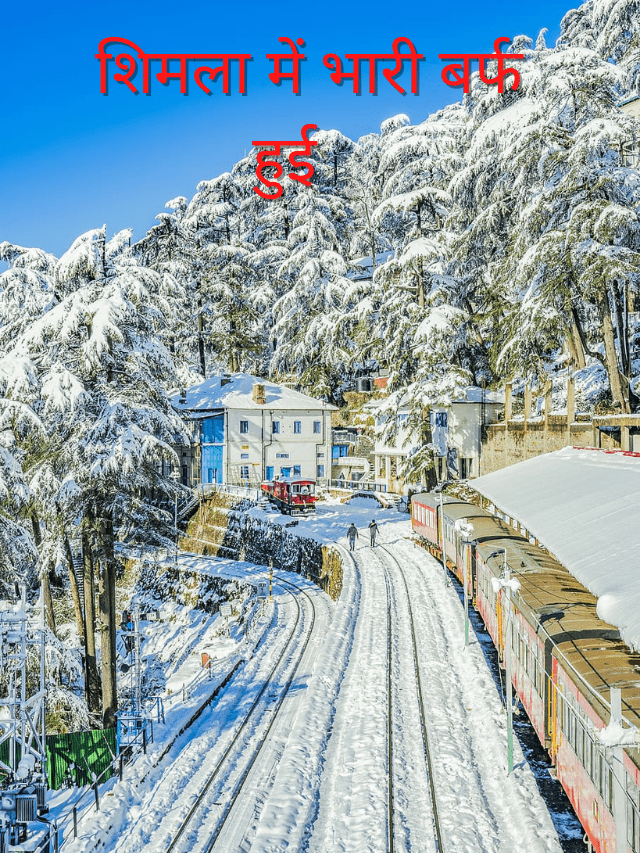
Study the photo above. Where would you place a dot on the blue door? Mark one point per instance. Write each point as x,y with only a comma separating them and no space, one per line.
269,472
211,463
211,443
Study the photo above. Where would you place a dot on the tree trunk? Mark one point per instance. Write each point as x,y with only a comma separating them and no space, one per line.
75,594
108,627
621,332
575,347
44,579
92,679
610,354
203,365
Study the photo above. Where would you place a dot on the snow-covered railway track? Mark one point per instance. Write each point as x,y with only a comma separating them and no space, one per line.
379,790
199,829
407,725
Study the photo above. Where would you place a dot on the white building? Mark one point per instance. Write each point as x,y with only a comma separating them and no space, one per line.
249,430
456,431
630,151
388,455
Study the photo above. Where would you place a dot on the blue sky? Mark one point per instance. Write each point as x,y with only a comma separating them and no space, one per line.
72,159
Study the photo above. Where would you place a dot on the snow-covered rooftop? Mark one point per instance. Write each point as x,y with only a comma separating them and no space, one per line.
237,393
471,394
584,506
367,265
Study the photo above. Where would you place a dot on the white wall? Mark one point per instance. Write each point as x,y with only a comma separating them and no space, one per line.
303,449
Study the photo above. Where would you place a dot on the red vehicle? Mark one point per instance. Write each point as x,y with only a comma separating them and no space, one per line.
565,661
291,494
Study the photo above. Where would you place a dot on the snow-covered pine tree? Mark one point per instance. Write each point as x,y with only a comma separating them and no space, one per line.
95,369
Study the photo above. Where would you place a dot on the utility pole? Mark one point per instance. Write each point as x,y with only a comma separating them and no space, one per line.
465,530
509,585
175,476
23,767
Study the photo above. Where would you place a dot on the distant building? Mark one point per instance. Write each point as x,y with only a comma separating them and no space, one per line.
390,454
247,430
456,431
631,150
631,106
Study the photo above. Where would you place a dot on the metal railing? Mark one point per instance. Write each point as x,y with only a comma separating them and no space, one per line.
357,485
230,489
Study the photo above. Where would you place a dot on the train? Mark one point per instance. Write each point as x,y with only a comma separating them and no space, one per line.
564,661
292,495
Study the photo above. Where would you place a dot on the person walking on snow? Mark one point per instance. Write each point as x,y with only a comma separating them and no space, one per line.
373,530
352,535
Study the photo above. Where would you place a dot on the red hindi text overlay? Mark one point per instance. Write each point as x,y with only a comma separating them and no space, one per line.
332,61
128,65
457,79
274,149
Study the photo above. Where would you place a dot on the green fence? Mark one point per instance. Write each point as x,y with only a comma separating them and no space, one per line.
74,757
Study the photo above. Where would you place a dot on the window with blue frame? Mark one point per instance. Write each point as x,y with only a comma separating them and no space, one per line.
285,472
244,426
320,471
275,427
297,427
244,472
296,470
317,427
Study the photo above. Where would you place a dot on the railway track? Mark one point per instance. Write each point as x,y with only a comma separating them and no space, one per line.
399,658
226,780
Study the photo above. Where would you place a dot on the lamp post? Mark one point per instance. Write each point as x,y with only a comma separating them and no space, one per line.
443,539
465,529
175,476
509,585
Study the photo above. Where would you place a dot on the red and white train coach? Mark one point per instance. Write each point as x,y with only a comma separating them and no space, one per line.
292,495
565,663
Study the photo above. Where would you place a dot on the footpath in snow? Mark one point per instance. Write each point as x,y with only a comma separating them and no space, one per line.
321,781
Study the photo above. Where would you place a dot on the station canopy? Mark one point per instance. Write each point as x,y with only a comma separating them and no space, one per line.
583,505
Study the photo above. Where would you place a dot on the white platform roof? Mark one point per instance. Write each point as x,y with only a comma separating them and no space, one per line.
583,505
237,393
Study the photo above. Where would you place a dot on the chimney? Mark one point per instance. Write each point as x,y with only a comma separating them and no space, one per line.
259,394
225,380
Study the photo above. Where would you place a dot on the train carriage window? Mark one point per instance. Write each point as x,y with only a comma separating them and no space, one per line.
588,754
541,675
608,795
580,741
633,823
571,733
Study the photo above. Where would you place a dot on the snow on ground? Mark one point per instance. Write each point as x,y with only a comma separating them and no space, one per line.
332,518
320,783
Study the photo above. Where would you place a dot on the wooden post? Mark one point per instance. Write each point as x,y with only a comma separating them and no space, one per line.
571,407
527,404
508,403
547,403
